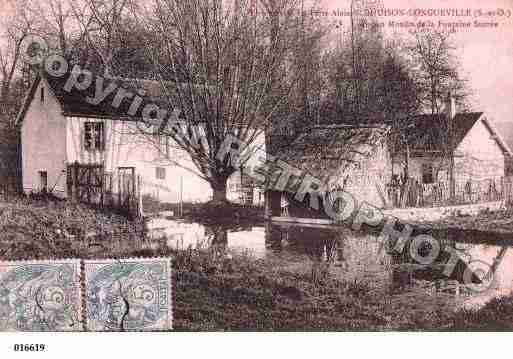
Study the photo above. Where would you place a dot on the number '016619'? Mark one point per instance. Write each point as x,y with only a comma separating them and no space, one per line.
29,347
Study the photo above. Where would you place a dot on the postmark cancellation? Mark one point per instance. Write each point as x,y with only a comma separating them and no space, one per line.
40,296
128,294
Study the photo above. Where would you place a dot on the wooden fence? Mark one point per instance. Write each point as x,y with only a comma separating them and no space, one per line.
8,187
415,194
92,185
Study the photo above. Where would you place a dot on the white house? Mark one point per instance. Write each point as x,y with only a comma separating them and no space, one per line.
449,157
59,126
479,153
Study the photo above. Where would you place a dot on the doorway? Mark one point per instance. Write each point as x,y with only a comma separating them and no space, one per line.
43,181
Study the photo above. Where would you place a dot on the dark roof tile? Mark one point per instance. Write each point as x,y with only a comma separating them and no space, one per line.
430,132
74,101
326,152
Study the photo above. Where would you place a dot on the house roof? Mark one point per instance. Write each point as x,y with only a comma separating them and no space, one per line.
327,151
428,133
161,93
27,100
74,102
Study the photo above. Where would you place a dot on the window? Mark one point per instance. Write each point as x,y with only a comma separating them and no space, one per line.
94,136
43,181
42,95
427,173
160,173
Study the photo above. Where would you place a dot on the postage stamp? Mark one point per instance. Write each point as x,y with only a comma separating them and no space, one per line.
40,296
128,294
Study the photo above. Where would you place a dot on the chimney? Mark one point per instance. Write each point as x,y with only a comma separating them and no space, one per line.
450,106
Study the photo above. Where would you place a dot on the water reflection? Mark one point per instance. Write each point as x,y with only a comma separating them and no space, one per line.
349,256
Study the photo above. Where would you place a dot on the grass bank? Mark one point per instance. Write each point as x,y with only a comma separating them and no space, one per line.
50,228
219,290
496,315
247,294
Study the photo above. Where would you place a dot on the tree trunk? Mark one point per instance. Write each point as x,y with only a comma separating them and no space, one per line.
452,181
272,203
219,190
407,162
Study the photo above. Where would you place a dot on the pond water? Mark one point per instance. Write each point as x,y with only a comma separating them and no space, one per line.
482,270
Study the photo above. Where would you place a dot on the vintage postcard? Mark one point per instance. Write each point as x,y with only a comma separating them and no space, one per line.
128,294
40,296
256,165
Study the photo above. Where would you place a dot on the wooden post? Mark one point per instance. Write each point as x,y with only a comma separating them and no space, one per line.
452,181
406,193
111,191
119,190
501,193
69,182
272,203
181,196
75,182
89,183
102,188
132,199
470,199
241,195
139,197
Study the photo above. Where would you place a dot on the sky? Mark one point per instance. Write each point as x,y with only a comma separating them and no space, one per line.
485,54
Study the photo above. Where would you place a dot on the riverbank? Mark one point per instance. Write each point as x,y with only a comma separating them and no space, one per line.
242,294
496,315
49,228
218,289
499,221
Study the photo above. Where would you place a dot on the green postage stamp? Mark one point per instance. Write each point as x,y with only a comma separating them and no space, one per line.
40,296
128,294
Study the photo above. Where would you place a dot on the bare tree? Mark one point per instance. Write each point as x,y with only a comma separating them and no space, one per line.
221,64
438,78
436,67
102,27
17,27
12,87
55,22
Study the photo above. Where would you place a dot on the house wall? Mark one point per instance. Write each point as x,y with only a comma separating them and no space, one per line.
43,144
366,182
126,147
50,141
479,156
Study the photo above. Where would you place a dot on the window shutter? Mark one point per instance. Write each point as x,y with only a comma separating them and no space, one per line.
101,136
87,136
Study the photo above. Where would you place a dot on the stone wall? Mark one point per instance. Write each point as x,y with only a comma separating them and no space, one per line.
367,180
